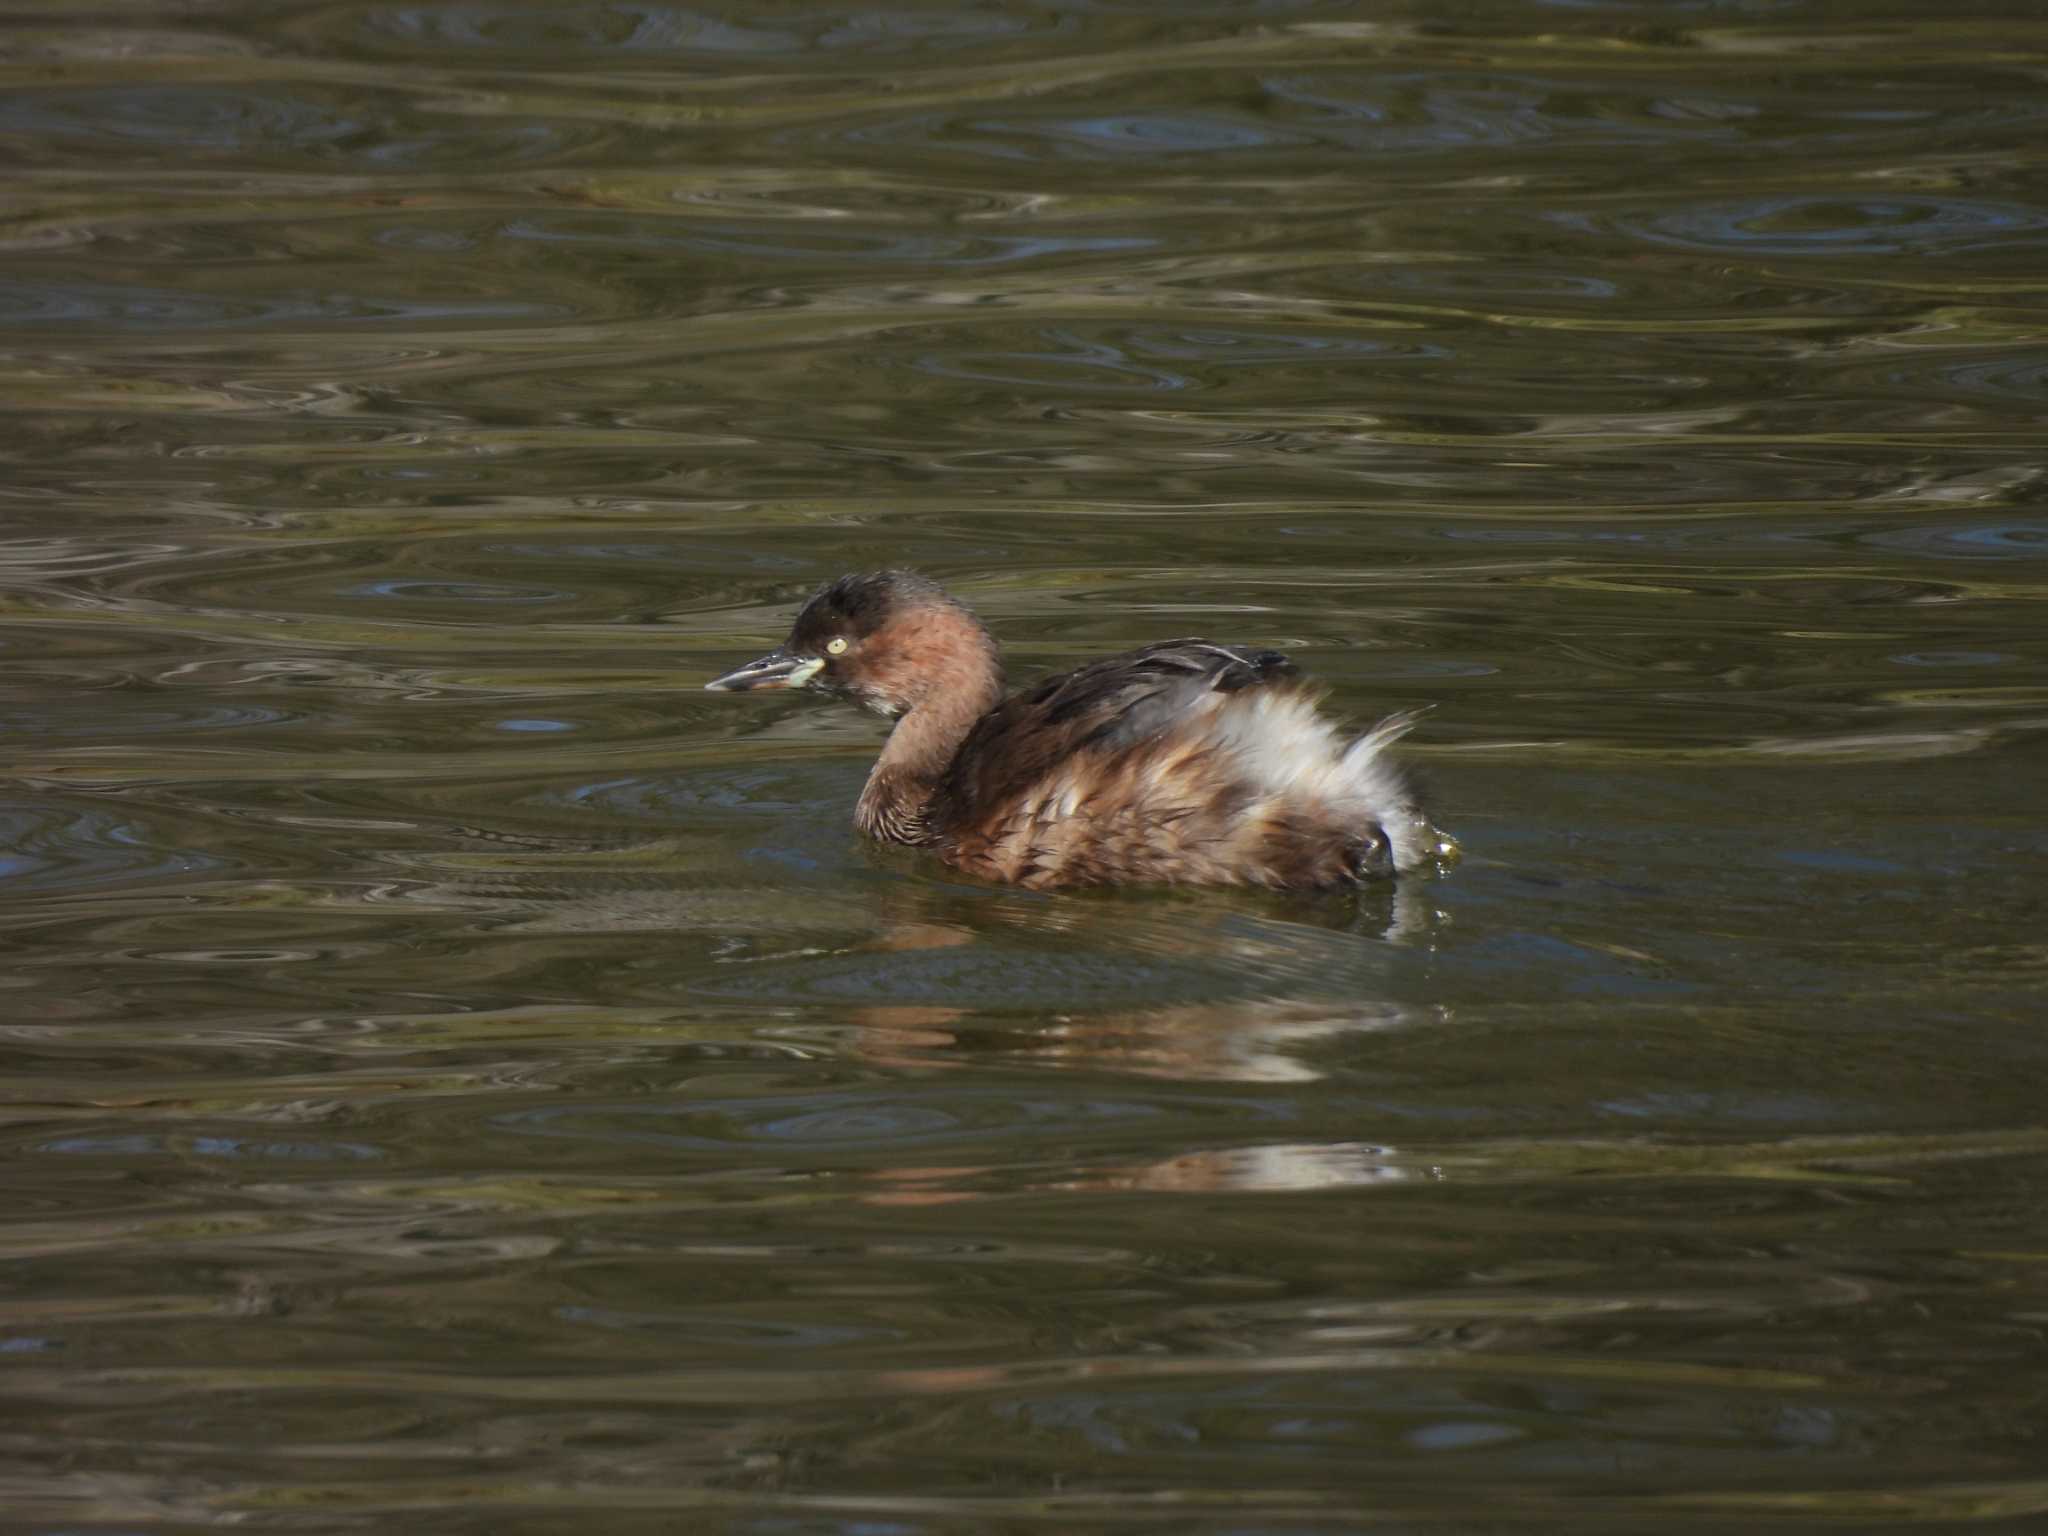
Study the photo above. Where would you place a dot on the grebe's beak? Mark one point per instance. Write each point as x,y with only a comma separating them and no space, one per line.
778,669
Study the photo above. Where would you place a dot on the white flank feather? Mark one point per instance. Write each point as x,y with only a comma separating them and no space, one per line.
1288,749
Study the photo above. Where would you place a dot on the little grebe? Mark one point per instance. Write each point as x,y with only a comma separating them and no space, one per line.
1182,762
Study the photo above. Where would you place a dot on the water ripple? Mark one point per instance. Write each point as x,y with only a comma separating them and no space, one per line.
639,28
127,309
871,1122
223,122
1858,225
52,847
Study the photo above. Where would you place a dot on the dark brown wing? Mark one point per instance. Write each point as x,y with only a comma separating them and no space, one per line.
1101,708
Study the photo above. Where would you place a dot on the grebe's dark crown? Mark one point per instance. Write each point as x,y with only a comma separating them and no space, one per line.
858,605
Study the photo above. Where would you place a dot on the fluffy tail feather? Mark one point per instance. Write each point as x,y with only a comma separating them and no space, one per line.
1386,733
1400,835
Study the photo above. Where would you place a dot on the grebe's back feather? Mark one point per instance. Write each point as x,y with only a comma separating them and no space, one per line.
1182,761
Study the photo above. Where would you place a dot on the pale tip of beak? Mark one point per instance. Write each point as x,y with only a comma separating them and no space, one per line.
776,670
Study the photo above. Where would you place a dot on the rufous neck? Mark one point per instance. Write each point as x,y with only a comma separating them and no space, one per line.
921,748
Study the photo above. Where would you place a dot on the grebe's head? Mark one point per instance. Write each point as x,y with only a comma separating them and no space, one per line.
889,639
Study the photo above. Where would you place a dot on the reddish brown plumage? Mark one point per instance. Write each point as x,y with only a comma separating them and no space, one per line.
1183,762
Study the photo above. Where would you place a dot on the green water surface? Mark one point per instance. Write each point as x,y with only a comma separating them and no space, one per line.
460,1077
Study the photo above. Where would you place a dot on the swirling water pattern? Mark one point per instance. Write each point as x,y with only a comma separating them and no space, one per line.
462,1077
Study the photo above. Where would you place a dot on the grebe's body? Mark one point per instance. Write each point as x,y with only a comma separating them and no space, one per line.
1183,762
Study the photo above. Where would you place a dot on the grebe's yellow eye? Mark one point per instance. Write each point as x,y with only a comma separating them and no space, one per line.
836,646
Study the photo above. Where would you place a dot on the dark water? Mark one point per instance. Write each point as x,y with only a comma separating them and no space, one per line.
463,1078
